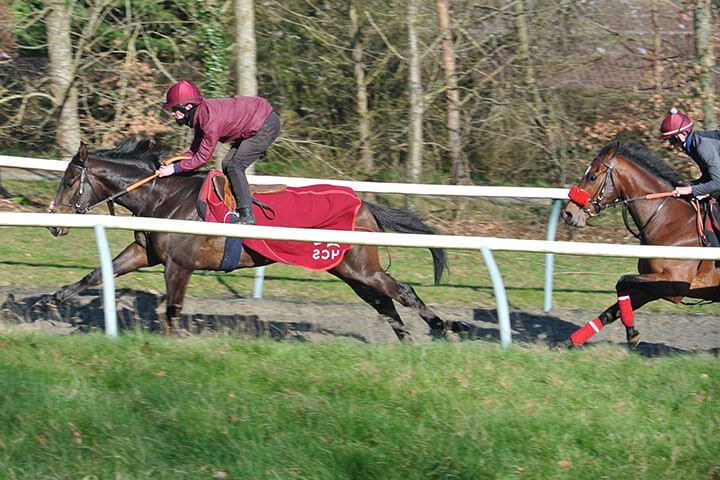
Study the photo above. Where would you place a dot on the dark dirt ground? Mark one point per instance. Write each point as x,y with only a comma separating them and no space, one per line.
287,320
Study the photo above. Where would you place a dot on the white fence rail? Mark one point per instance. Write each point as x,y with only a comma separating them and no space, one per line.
370,187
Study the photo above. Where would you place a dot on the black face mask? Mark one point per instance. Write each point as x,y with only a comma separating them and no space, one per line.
188,118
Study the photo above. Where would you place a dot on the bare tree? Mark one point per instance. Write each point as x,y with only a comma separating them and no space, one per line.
366,154
415,130
246,47
705,60
459,165
545,121
246,53
62,75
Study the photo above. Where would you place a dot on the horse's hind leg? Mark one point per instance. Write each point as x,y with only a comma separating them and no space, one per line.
382,304
641,289
383,289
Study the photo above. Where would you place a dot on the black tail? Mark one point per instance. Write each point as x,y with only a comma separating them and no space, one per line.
401,221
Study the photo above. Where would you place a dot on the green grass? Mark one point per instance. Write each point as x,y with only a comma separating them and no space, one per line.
147,407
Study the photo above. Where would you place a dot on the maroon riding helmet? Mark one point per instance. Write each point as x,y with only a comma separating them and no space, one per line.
674,123
182,93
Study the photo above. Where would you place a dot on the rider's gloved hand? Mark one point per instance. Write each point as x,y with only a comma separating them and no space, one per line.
682,190
166,170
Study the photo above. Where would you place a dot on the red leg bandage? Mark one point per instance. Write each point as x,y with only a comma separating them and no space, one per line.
582,334
627,316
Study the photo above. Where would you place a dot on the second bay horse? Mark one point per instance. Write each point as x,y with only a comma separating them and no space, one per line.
625,173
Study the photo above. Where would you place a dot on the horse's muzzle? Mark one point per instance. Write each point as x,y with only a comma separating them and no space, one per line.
58,231
574,216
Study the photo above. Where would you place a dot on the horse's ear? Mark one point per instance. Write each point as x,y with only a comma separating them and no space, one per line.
82,152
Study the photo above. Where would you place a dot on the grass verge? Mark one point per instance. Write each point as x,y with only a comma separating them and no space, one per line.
147,407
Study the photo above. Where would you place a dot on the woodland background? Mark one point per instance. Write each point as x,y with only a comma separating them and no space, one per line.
516,92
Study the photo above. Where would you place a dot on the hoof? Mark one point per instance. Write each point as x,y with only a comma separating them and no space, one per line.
46,302
633,340
404,337
438,332
49,306
458,326
570,345
438,328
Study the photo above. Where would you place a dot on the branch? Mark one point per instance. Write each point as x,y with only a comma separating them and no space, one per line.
384,38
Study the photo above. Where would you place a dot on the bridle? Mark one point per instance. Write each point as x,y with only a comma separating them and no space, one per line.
584,200
79,209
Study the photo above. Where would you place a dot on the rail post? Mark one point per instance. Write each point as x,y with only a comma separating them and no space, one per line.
500,297
108,281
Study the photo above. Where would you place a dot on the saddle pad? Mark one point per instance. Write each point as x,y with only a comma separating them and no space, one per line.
315,206
327,207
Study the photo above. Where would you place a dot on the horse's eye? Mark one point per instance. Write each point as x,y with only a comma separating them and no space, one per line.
69,183
593,177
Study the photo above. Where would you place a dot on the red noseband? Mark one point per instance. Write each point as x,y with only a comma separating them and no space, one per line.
579,196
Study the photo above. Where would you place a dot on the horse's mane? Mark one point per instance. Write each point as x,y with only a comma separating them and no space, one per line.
136,149
644,157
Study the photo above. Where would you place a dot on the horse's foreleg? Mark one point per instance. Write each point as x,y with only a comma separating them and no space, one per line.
671,285
133,257
176,282
633,292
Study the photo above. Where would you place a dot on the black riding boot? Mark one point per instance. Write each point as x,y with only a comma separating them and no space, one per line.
245,216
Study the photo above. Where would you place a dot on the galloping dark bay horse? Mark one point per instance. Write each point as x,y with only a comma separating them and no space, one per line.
625,174
92,177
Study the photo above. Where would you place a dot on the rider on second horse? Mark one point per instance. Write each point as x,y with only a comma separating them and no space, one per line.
702,147
249,124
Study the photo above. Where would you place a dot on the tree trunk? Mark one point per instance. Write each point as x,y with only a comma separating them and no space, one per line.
366,154
535,100
705,61
657,46
246,48
246,52
415,131
62,74
459,165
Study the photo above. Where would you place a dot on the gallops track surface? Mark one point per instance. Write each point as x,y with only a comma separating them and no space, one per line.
318,322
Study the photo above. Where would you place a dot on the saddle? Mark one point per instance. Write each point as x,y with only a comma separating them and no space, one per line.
216,199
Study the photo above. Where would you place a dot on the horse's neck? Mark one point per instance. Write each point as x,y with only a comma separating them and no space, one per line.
169,197
638,182
651,216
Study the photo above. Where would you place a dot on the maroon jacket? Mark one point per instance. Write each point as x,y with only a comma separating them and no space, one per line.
223,120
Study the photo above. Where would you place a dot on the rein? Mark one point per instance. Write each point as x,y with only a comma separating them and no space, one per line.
110,199
652,196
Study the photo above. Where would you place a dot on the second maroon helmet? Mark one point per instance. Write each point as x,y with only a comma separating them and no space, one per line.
674,123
